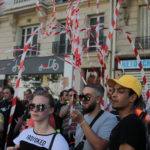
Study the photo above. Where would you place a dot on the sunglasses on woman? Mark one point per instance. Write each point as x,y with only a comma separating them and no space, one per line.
38,107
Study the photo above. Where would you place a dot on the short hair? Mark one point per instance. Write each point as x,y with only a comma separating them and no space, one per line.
10,88
139,102
29,91
99,89
42,92
62,93
71,89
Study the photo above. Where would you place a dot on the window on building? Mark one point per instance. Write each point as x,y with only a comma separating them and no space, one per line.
144,21
93,22
25,34
144,28
60,1
61,45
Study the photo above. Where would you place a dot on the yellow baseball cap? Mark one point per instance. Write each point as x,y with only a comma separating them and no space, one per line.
127,81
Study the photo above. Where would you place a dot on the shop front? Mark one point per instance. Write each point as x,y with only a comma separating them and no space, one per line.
39,71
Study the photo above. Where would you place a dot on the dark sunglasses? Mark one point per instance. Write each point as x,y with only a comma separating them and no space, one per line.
38,108
84,98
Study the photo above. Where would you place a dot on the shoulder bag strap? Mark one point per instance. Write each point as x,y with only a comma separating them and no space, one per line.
52,141
96,117
94,120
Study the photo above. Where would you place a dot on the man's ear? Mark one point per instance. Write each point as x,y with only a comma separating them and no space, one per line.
51,110
99,99
133,98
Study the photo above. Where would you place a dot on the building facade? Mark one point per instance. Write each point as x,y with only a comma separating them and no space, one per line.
134,19
17,23
19,19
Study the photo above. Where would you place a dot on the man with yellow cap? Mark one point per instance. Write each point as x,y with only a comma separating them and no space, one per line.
130,133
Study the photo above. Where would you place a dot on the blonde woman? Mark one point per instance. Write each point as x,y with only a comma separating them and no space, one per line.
42,136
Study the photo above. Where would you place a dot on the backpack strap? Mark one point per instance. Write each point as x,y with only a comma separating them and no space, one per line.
52,141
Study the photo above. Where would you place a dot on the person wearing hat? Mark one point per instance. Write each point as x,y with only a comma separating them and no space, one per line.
130,133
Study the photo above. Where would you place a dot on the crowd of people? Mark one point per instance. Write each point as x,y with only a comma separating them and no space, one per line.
75,121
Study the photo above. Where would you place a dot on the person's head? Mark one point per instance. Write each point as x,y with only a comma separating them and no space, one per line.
1,93
8,92
28,95
109,92
41,106
46,88
63,96
91,97
72,95
126,93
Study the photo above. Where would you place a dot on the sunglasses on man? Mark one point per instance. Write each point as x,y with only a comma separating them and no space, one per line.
84,98
38,107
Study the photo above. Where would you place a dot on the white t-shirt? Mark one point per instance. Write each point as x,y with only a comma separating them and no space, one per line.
29,140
